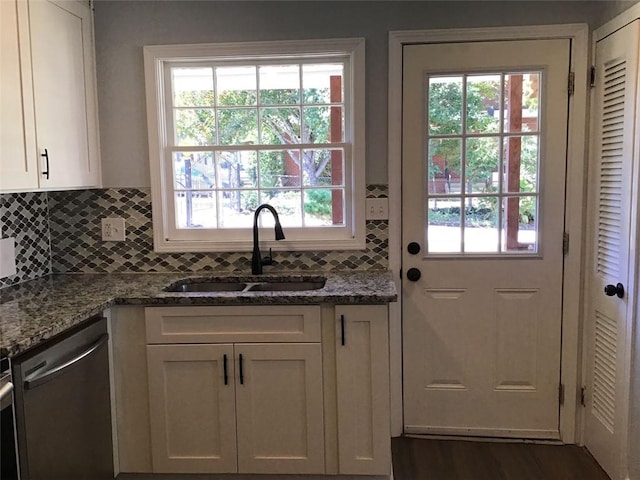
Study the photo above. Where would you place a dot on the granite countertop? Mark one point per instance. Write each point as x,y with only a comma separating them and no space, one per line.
40,309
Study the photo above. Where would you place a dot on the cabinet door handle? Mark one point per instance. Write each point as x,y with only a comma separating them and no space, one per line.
342,329
46,158
224,363
241,371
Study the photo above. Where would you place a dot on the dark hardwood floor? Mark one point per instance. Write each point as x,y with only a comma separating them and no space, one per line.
426,459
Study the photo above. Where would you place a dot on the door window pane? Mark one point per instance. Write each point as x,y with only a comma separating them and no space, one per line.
481,225
445,105
482,161
483,103
521,100
519,225
444,226
444,163
521,164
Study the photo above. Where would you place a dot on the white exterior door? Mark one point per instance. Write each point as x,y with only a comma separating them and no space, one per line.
484,161
609,315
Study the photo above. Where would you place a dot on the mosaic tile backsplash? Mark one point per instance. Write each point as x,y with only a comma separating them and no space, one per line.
24,216
75,221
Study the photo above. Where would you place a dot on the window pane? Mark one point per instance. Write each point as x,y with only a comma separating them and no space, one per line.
237,207
443,231
482,160
278,168
288,205
192,87
322,83
445,105
237,169
236,86
280,85
193,170
322,167
237,126
521,99
444,165
194,127
481,225
521,164
280,126
520,224
195,209
323,207
319,124
483,104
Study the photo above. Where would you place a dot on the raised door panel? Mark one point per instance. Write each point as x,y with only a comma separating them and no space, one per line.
192,408
64,92
362,366
18,160
280,408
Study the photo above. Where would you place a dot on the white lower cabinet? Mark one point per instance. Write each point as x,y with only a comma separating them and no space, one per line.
362,377
252,389
241,407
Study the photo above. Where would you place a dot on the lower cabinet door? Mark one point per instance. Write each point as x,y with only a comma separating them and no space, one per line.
279,408
362,381
192,408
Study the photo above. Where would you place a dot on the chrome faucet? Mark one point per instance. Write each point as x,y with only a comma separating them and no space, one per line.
256,260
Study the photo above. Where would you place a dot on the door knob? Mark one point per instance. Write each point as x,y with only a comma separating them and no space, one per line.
413,274
611,290
413,248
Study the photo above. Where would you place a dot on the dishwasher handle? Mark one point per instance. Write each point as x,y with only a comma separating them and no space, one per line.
5,390
43,376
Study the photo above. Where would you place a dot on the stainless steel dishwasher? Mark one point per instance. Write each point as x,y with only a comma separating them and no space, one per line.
62,406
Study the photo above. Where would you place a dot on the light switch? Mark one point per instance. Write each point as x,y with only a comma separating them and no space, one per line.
377,208
7,257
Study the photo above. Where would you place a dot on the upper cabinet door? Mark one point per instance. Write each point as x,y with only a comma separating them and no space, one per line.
18,157
64,93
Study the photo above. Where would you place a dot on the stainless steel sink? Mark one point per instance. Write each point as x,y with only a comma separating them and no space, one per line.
285,286
296,284
207,287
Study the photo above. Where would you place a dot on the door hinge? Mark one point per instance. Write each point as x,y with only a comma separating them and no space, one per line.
583,400
572,83
565,243
592,77
561,394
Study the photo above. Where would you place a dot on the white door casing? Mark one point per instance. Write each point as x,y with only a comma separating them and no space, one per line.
481,338
609,318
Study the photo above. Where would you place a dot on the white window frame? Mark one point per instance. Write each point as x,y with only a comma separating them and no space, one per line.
352,50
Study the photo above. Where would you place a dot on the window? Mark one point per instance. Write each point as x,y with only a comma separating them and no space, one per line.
483,157
232,126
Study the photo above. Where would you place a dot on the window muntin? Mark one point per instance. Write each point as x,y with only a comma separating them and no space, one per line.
245,115
479,125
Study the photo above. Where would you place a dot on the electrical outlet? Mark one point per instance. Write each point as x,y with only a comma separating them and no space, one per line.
7,257
377,208
113,229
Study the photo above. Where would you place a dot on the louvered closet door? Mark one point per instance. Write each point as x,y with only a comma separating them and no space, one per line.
611,192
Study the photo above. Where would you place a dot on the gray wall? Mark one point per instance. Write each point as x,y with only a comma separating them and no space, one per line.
124,27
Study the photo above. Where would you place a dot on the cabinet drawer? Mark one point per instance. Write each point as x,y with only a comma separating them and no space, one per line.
233,324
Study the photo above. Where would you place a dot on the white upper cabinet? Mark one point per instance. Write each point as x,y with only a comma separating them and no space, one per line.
18,161
56,97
